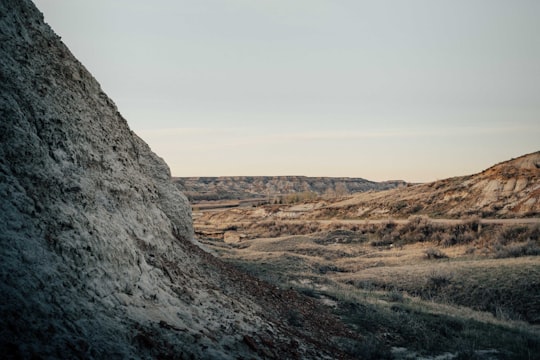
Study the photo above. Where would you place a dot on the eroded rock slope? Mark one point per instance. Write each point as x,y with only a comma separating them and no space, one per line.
96,258
506,190
510,189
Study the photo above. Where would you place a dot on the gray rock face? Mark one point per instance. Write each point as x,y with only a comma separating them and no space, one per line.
80,195
96,252
88,217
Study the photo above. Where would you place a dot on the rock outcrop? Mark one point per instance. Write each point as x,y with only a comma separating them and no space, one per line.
96,253
506,190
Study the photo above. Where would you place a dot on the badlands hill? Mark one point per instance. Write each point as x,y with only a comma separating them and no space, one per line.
97,258
245,187
506,190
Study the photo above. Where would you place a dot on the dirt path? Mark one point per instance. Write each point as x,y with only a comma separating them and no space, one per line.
436,221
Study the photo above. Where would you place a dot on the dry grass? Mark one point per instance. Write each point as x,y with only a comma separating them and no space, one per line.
421,269
405,280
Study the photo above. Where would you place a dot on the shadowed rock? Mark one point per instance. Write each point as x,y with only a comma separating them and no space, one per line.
96,258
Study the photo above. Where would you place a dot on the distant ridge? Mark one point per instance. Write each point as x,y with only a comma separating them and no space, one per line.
242,187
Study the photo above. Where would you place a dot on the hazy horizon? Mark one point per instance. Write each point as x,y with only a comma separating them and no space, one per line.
414,90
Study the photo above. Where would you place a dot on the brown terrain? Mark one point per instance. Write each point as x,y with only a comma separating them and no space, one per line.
450,268
507,190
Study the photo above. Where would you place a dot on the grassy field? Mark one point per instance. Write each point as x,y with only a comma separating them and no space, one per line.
415,289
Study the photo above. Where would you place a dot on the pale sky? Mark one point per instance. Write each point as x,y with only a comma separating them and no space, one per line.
417,90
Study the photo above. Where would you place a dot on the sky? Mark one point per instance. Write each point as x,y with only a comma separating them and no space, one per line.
417,90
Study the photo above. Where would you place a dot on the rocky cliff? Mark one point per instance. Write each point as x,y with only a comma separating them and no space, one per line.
96,253
243,187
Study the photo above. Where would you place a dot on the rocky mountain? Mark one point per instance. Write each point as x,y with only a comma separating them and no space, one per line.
243,187
509,189
97,257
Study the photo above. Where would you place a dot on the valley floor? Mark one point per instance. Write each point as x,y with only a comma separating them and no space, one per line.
416,287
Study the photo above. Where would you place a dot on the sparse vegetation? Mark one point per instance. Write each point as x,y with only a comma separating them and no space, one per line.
407,283
529,248
466,288
417,328
298,197
437,280
433,253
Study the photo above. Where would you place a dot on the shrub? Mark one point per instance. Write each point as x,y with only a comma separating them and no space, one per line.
529,248
323,269
385,241
400,205
446,240
473,223
513,234
438,279
395,296
433,253
418,221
